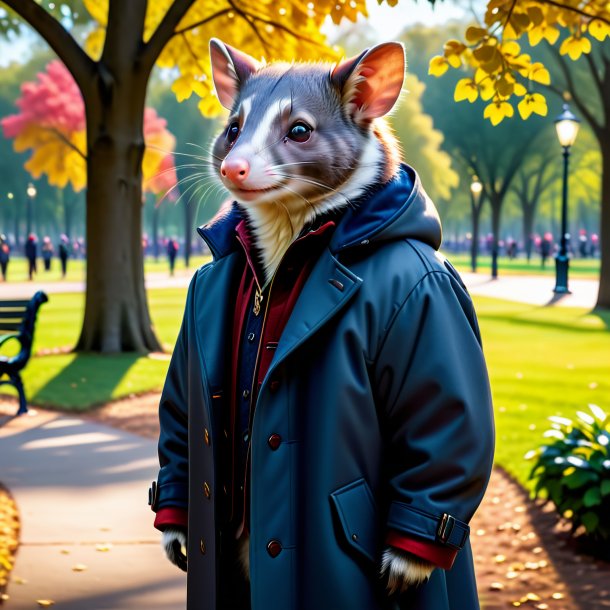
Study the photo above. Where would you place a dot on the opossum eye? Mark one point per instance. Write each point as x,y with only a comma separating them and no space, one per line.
300,132
232,132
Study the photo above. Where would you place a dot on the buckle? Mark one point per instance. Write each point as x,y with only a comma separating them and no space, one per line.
445,528
152,495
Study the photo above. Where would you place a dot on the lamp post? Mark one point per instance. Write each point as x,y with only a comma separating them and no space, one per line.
31,193
476,188
567,126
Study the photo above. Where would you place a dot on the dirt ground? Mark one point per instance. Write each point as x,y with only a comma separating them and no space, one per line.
523,556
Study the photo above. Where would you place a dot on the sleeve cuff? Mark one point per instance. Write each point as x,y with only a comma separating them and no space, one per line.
441,556
170,516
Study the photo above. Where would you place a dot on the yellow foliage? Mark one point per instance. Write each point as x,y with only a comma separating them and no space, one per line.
534,103
438,66
491,50
575,46
466,89
497,111
599,30
270,30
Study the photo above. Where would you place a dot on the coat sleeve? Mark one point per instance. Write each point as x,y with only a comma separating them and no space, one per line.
436,412
170,492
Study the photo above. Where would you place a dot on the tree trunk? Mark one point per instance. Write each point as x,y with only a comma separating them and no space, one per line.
496,210
116,309
603,297
474,246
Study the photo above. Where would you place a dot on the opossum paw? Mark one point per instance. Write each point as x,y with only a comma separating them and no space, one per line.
174,545
403,570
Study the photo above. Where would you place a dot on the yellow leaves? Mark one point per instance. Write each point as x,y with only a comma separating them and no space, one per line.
94,45
575,46
98,9
209,106
475,34
534,103
539,74
452,51
543,31
599,30
497,111
438,66
466,89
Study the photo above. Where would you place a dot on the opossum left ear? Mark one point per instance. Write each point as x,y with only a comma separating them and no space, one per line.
230,69
371,82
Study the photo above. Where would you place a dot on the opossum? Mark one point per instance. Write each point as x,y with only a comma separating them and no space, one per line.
303,140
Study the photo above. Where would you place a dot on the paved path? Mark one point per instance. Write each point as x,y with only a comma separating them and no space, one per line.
87,541
535,289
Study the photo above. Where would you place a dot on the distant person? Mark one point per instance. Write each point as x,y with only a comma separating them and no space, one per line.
511,248
31,252
546,247
5,255
594,244
47,252
64,253
583,243
172,252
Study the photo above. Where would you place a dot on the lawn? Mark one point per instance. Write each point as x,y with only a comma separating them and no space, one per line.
579,268
18,268
542,362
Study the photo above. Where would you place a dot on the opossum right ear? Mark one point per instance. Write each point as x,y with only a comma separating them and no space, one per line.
371,82
230,68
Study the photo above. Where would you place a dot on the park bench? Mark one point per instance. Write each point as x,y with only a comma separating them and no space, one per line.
18,316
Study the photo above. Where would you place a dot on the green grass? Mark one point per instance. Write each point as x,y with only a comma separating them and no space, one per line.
579,268
542,362
18,268
78,382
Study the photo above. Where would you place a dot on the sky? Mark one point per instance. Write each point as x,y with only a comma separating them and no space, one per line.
387,22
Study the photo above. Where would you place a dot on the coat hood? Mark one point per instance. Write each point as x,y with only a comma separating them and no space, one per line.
400,209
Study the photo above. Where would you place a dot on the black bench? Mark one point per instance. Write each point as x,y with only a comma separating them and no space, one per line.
19,317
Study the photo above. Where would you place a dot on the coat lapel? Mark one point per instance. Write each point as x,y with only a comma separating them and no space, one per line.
328,289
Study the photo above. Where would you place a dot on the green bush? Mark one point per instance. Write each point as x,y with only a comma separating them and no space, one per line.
573,472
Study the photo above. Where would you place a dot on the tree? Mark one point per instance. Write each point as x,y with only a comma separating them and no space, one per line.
131,38
501,71
421,142
532,180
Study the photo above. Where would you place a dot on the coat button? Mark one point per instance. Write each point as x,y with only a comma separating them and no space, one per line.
274,548
274,385
202,546
207,491
206,436
274,441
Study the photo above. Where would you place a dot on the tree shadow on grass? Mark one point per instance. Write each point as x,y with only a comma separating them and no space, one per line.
603,315
88,380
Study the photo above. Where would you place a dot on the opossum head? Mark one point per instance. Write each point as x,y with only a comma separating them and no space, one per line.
306,135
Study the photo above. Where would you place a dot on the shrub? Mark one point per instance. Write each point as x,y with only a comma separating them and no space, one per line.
573,471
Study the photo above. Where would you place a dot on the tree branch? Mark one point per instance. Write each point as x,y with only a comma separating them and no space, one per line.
574,9
67,142
594,71
80,65
573,92
165,30
188,28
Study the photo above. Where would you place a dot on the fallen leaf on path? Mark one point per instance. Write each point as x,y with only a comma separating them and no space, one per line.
45,603
79,567
103,548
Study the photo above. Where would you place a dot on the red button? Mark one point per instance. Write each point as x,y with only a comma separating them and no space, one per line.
274,385
275,440
274,548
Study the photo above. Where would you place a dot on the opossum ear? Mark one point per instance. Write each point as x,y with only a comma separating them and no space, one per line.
230,68
371,82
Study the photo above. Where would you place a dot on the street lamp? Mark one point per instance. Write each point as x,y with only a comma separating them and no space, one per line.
31,193
476,188
567,126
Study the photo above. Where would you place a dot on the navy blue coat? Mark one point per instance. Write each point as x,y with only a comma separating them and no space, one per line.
379,392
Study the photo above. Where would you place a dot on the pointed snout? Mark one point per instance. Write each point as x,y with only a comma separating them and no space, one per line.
236,170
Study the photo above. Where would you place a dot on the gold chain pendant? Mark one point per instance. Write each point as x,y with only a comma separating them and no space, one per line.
258,299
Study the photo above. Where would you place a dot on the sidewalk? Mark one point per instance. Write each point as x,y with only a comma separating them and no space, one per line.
534,289
87,541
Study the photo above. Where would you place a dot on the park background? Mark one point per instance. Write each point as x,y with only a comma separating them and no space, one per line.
497,186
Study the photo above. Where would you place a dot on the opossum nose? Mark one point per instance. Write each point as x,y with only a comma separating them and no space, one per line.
236,170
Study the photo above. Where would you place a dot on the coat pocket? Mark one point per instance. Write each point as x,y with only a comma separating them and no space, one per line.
355,508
